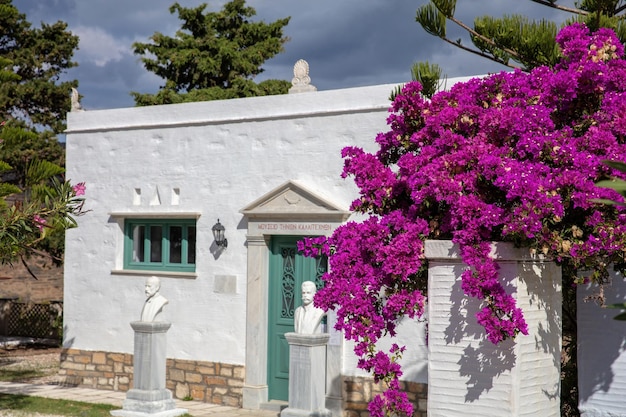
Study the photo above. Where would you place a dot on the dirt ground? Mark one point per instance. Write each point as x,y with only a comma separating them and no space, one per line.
18,360
22,360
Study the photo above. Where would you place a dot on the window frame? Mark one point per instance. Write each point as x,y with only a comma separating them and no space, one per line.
164,265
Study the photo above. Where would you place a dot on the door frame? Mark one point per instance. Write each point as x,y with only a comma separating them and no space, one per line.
289,209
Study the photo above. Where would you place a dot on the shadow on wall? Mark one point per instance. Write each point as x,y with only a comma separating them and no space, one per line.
601,344
482,361
545,300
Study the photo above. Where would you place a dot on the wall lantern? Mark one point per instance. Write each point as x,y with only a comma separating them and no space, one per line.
218,234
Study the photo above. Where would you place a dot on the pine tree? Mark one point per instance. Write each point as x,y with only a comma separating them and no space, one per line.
38,56
34,196
35,213
215,55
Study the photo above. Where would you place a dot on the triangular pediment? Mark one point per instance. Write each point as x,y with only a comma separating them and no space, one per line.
293,200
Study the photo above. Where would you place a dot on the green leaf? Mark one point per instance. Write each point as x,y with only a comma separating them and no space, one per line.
432,20
8,189
429,75
614,184
446,7
620,166
609,202
39,171
621,317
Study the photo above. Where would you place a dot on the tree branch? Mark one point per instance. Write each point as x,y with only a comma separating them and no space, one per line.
559,7
32,274
480,53
45,254
619,10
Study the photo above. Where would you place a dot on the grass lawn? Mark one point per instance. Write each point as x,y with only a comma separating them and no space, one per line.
25,405
28,404
15,375
16,368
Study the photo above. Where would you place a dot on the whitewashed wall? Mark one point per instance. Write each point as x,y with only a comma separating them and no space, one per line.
211,158
601,352
220,156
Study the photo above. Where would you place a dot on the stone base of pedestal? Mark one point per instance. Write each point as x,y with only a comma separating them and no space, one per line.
169,413
294,412
153,403
149,398
307,376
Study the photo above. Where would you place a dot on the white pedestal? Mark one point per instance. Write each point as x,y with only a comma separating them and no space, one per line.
149,397
307,375
470,376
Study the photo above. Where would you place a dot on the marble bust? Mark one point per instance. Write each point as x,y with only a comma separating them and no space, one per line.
154,301
307,317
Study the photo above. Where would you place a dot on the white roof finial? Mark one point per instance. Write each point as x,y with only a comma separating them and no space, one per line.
301,81
76,101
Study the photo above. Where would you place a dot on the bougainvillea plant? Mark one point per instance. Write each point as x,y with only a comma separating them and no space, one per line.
508,157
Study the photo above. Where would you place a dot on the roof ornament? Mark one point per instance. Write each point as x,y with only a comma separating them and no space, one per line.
76,101
301,82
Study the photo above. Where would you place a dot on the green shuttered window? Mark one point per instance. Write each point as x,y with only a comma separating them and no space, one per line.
160,245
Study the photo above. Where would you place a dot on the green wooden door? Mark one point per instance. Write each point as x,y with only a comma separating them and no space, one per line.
288,270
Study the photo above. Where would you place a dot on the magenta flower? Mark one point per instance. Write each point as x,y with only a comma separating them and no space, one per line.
79,189
511,157
39,221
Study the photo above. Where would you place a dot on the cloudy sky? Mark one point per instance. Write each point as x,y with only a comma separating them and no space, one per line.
347,43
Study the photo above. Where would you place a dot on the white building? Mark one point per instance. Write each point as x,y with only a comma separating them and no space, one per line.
269,169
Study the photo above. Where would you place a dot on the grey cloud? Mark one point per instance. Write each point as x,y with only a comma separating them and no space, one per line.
347,43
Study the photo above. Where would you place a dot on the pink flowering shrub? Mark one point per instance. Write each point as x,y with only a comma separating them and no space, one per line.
47,205
510,157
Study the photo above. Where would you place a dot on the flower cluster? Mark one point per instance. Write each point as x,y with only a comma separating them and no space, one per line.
509,157
47,205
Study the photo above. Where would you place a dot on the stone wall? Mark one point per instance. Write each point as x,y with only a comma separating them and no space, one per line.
359,391
215,383
210,382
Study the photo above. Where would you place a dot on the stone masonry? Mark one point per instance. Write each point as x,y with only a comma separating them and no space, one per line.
215,383
359,391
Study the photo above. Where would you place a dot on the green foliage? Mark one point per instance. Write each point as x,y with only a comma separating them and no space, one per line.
532,40
213,56
241,88
516,41
616,184
35,57
34,214
33,107
429,75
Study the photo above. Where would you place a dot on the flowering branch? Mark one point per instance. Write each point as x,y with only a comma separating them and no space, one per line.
27,216
510,157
